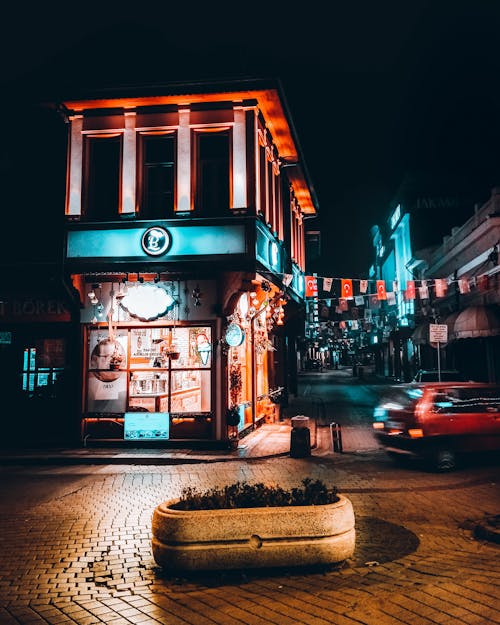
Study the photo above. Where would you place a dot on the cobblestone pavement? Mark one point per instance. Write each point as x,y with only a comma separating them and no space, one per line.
75,547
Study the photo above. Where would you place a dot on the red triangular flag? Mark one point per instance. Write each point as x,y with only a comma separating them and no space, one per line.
410,289
311,286
440,285
463,285
483,282
347,288
381,294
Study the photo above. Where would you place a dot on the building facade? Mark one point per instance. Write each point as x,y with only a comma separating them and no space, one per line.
184,250
468,261
451,279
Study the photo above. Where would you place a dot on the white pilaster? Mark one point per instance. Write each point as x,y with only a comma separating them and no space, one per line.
129,163
74,201
239,160
184,162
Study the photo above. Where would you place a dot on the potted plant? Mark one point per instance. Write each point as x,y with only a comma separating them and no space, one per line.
173,352
232,421
249,526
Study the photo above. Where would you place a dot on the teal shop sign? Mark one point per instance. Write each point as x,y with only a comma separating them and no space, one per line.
234,335
141,243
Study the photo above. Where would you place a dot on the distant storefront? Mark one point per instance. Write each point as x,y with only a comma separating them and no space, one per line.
37,382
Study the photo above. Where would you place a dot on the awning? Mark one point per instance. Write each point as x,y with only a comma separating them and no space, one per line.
421,334
477,322
450,322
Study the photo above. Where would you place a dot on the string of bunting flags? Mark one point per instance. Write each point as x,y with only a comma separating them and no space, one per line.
381,292
350,293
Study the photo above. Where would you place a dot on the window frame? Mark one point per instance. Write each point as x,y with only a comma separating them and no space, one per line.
89,139
196,135
142,138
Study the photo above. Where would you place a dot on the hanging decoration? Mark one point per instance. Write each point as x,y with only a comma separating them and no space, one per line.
381,292
327,284
346,288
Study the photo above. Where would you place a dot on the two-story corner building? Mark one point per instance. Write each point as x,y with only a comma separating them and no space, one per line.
184,245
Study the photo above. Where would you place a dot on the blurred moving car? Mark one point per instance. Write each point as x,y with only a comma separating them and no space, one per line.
439,421
433,375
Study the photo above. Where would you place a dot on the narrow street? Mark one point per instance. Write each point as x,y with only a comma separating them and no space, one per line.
336,395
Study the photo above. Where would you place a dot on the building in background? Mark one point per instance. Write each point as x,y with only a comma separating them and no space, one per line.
423,210
466,265
184,250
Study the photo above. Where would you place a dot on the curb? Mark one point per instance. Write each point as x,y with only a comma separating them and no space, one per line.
143,460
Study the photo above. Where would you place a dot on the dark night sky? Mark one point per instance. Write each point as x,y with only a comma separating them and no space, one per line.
375,88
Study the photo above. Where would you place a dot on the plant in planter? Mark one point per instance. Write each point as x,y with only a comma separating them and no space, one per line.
232,421
248,526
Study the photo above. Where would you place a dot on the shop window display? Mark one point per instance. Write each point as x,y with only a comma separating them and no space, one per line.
157,370
107,377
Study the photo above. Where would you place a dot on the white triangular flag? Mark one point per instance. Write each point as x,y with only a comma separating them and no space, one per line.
391,298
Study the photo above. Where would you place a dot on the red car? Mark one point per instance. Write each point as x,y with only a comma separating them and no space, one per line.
439,421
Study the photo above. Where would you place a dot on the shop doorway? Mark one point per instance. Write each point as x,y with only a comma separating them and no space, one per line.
36,388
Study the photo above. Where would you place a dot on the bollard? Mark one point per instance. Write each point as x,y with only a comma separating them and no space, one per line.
300,437
336,434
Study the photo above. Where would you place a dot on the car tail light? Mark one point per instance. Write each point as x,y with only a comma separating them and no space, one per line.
378,425
416,433
422,407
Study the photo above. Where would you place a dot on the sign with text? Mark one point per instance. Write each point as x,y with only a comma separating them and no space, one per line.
28,310
438,333
147,426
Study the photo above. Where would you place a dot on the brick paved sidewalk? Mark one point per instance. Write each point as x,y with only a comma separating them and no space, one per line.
76,548
272,439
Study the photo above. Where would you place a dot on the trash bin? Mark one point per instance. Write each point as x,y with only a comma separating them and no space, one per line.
300,437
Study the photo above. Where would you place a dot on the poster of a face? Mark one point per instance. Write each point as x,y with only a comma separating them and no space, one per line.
104,351
107,382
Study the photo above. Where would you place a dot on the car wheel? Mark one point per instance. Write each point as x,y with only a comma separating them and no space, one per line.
396,457
445,460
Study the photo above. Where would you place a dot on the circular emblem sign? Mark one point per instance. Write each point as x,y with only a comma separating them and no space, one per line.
155,241
234,335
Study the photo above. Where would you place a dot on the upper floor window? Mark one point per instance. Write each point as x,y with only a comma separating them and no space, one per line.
158,176
102,180
212,179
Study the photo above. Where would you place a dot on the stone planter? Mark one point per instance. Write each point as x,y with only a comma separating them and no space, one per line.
252,537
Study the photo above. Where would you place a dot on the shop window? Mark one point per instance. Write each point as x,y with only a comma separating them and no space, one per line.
103,178
43,368
158,176
159,369
212,197
107,375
